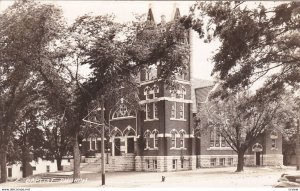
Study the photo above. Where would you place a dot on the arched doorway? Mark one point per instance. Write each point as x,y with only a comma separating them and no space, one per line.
116,136
130,134
257,149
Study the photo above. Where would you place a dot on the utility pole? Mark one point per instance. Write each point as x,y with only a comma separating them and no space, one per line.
102,140
297,147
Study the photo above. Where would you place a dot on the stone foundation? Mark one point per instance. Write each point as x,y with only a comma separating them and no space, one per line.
164,163
205,161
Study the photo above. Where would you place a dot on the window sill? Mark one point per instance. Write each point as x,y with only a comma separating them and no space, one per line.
151,149
175,119
173,148
274,149
155,119
219,148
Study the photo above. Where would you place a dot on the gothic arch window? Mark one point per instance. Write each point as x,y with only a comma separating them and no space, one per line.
174,134
123,112
129,131
116,132
173,92
274,134
257,147
155,138
181,135
147,92
155,90
151,72
197,133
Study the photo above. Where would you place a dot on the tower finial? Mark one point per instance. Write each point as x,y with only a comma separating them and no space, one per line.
176,12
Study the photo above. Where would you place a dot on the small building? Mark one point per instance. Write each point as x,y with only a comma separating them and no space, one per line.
215,152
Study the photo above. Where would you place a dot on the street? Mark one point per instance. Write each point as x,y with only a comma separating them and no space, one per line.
205,177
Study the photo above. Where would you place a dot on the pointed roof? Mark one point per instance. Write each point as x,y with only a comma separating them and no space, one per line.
200,90
150,16
176,12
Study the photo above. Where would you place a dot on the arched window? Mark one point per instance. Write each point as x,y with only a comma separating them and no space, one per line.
173,138
181,133
274,134
155,138
147,92
123,112
173,92
155,90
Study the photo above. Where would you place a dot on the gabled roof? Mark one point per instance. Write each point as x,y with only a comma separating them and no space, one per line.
200,91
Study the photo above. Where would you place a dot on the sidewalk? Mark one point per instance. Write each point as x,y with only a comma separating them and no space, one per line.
204,177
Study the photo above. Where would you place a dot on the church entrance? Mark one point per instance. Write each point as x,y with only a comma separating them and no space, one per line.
258,158
117,147
130,145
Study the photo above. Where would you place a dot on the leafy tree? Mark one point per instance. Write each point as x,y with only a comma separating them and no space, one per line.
240,121
26,30
257,43
57,140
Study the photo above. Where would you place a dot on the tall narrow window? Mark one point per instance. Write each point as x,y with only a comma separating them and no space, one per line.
212,138
155,164
273,143
147,137
147,92
182,139
217,141
156,139
148,115
148,74
174,163
223,142
183,92
173,111
155,91
173,139
155,111
181,112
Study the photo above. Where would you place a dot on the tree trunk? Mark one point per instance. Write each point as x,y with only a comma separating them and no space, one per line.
24,169
58,163
76,156
240,165
3,162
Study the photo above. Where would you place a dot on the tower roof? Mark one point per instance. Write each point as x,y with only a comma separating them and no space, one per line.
150,16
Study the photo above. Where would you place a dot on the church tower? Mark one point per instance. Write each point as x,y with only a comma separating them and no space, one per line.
165,124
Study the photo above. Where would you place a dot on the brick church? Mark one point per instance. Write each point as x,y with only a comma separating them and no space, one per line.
163,136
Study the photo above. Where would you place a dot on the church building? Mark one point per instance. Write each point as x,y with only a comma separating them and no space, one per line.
162,136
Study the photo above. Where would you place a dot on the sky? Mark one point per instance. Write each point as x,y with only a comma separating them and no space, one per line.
124,11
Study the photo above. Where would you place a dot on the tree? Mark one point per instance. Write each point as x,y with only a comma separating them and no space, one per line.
22,38
257,43
57,140
240,121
